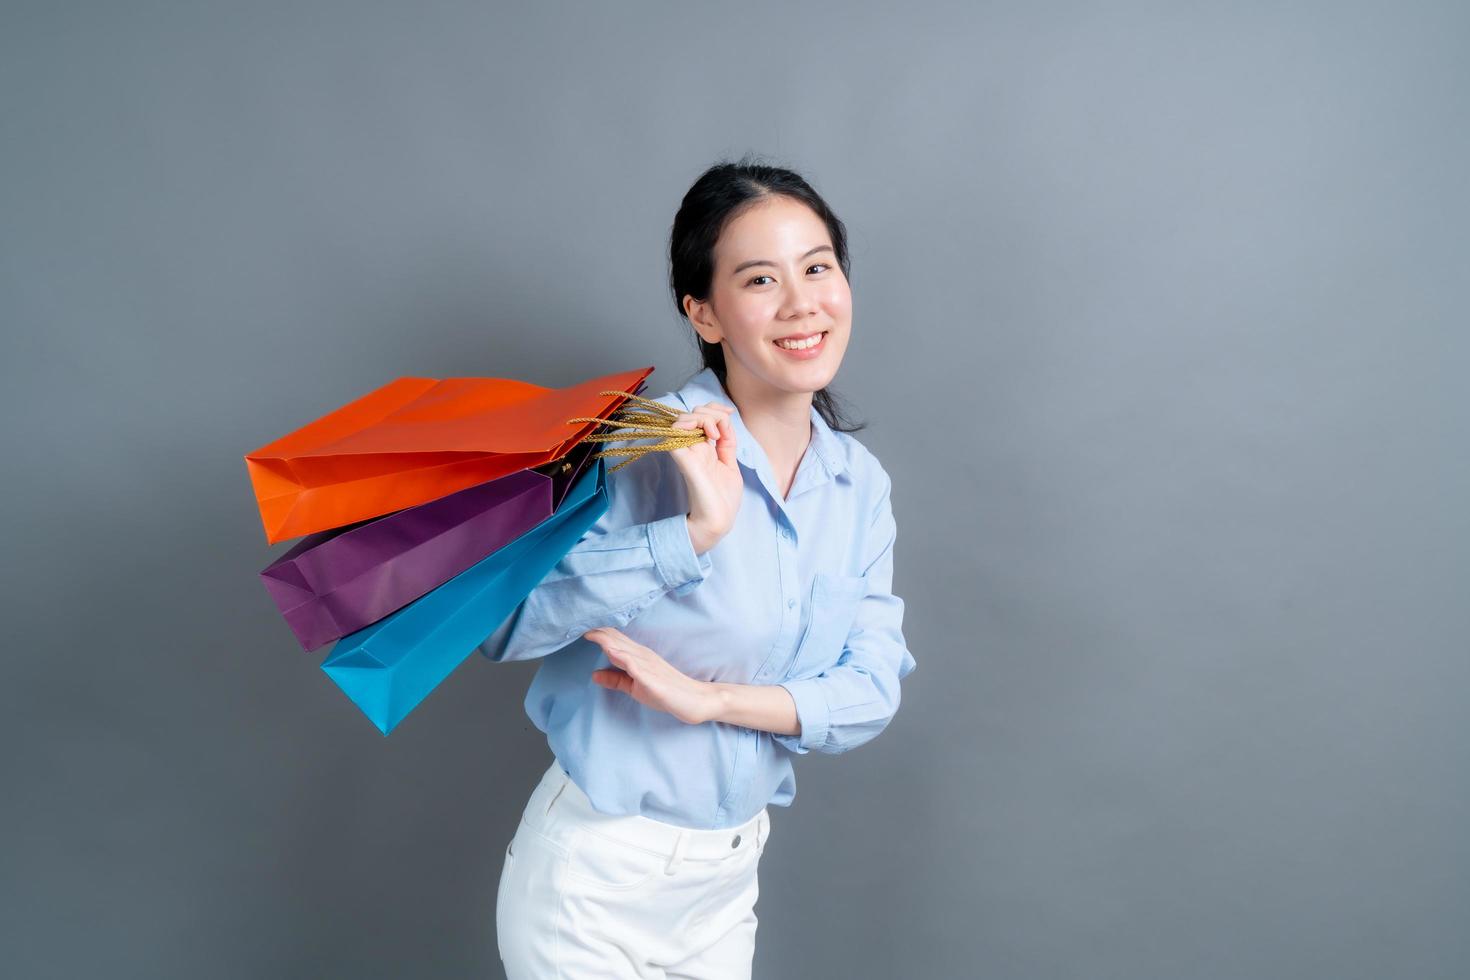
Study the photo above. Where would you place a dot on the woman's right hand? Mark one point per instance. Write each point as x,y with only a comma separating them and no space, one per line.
711,474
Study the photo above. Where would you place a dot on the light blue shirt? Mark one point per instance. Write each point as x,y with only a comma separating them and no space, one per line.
799,593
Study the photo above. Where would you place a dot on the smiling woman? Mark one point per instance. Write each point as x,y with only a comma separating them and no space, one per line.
732,609
775,328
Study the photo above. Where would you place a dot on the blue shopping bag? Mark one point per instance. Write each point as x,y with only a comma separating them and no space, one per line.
387,668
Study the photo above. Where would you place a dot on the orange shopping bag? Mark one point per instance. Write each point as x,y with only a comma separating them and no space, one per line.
418,439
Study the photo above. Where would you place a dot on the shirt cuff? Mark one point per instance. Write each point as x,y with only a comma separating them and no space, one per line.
680,569
812,711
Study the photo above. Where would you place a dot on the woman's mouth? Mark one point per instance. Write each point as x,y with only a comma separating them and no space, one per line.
802,347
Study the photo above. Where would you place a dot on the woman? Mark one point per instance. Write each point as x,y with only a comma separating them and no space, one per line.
732,608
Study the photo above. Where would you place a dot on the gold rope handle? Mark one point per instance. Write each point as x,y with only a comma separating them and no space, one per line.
646,419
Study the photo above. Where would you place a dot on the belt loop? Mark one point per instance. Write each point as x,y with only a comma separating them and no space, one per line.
678,854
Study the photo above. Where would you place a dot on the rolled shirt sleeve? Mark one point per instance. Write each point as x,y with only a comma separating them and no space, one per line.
852,701
673,555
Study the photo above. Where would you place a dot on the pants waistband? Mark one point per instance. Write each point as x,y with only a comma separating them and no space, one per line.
558,800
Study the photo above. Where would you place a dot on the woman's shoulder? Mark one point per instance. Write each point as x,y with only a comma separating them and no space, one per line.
862,463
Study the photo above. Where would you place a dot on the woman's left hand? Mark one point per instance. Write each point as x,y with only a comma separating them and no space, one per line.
649,678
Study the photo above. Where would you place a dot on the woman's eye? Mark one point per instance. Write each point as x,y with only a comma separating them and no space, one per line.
819,265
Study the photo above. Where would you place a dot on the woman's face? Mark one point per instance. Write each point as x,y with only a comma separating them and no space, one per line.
776,276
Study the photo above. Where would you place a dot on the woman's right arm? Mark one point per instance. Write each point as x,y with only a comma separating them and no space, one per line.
608,578
641,549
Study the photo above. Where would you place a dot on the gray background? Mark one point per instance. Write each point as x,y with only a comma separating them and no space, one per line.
1159,323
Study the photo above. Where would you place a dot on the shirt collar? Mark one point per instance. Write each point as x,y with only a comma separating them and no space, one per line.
706,387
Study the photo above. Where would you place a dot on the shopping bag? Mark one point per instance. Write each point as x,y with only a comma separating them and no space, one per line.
389,667
418,439
336,582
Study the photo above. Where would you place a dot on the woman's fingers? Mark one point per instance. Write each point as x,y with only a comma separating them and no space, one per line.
711,410
724,429
688,420
620,658
725,448
616,680
712,417
708,421
614,642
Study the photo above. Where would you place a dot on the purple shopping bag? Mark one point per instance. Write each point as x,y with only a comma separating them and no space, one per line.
336,582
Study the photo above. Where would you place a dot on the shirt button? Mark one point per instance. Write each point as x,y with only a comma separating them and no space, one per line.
790,603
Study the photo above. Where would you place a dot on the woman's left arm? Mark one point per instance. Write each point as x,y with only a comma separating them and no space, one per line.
851,702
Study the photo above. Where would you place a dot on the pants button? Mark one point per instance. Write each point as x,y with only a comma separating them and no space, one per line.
736,841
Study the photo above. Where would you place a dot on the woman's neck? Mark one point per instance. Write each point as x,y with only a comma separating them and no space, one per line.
781,421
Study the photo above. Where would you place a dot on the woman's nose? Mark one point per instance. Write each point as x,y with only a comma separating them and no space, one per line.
799,300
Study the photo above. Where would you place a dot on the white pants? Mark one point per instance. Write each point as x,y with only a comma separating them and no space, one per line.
586,894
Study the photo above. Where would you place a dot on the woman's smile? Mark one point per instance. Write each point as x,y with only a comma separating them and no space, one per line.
802,347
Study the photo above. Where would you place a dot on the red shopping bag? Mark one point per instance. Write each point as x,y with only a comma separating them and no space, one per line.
418,439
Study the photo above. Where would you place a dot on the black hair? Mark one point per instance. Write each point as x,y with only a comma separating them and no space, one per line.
721,193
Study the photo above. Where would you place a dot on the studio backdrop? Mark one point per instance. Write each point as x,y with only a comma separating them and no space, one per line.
1158,325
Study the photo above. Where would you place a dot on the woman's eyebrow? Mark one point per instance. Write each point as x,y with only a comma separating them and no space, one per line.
753,262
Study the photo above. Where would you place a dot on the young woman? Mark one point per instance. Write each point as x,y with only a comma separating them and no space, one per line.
732,608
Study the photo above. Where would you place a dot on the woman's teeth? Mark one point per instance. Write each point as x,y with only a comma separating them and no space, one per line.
802,344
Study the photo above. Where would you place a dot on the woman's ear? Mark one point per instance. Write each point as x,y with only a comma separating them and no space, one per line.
701,317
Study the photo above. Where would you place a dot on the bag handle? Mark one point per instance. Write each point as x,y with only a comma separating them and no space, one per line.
647,419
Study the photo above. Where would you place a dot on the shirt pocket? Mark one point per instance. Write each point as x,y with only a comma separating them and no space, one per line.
834,604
